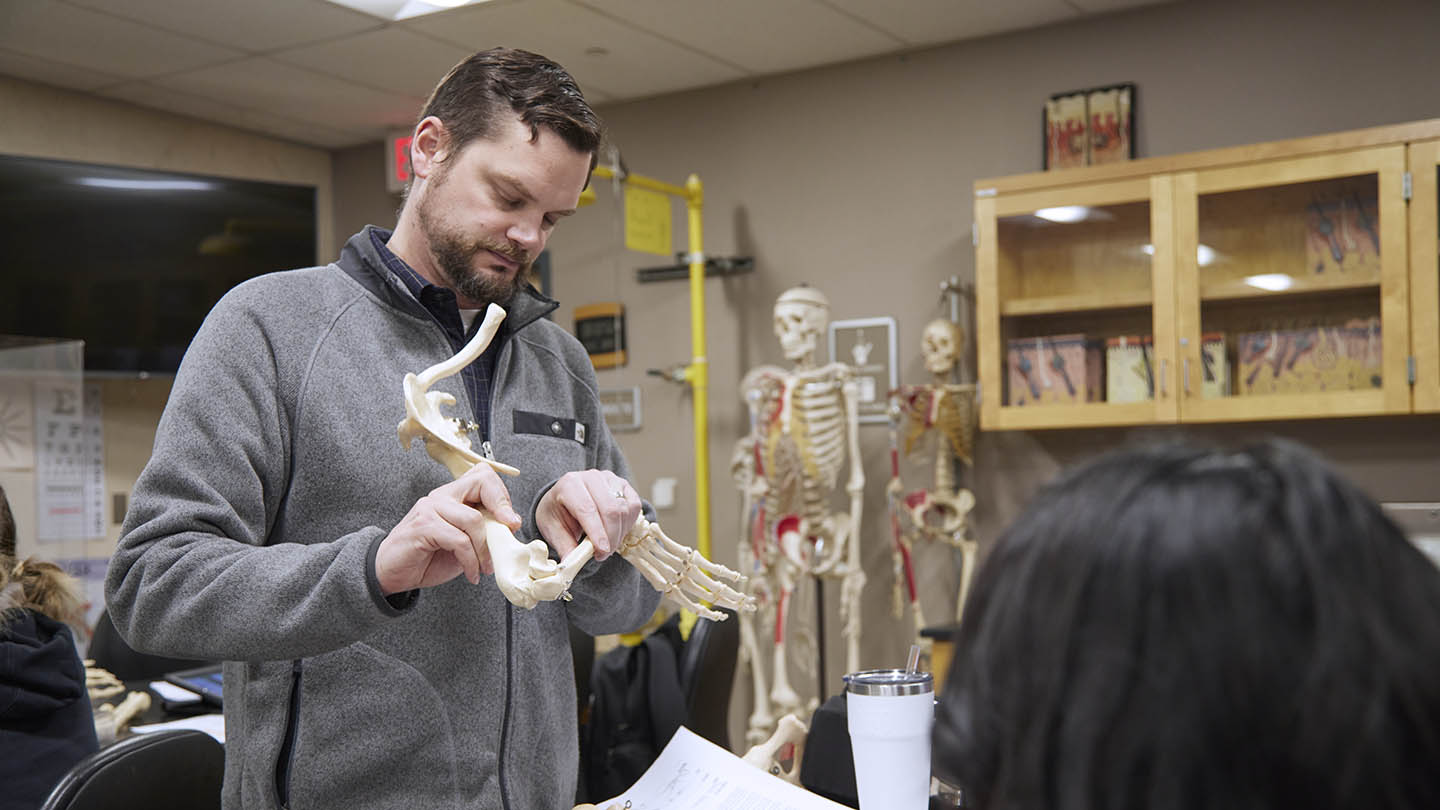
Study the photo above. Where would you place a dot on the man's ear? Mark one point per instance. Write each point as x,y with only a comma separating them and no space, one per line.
429,146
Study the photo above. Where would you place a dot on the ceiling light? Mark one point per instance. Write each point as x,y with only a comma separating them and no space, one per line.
145,185
1274,282
403,9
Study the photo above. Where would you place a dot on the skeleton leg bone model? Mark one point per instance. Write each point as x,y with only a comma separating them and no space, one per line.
523,571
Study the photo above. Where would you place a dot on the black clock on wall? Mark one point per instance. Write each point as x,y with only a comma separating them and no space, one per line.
601,330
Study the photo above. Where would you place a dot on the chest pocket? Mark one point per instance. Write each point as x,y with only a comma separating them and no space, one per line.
530,423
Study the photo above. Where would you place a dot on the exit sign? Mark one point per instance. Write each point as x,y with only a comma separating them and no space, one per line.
397,161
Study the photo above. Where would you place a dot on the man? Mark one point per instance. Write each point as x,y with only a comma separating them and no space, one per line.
280,526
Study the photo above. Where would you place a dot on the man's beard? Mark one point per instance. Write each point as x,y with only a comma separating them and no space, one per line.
455,256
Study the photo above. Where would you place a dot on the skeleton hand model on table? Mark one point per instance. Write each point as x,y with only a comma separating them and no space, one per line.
524,572
948,411
804,425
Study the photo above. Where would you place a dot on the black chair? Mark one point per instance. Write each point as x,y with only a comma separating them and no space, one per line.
707,673
113,653
180,769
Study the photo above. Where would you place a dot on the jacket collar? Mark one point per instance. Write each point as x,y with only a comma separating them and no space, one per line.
362,262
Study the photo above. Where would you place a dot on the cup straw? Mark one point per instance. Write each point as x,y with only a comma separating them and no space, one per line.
912,664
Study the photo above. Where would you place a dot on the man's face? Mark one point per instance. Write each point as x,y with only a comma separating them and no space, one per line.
487,212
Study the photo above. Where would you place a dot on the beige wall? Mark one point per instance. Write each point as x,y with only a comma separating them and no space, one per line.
41,121
857,179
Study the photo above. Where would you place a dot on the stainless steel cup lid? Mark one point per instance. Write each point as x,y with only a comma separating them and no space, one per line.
889,682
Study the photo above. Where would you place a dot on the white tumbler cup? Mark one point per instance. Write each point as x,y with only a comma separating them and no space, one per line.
890,713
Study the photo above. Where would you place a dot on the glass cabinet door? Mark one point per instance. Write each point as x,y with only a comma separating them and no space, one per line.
1424,168
1292,288
1071,333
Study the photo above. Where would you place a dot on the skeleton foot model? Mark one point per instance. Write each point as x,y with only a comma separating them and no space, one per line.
939,514
804,432
523,571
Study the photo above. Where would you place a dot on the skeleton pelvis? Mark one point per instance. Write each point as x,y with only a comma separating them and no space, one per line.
939,512
807,544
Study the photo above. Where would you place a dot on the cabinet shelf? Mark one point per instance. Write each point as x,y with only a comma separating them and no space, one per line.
1089,414
1085,302
1242,290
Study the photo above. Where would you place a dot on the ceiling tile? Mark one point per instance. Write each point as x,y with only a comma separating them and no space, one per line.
1102,6
100,42
267,86
759,36
393,59
634,64
931,22
54,73
251,25
208,109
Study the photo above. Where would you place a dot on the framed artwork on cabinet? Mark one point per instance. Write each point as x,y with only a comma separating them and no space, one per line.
1089,127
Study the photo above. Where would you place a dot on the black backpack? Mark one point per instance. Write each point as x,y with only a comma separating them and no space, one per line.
636,704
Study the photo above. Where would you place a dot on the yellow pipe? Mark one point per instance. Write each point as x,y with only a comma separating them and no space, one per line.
697,373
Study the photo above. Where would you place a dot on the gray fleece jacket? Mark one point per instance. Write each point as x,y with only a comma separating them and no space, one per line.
252,533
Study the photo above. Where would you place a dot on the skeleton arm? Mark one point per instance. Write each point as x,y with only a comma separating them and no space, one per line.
523,571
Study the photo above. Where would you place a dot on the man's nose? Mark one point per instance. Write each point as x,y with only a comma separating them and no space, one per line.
527,234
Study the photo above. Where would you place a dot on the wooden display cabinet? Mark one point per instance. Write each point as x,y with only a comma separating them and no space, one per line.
1424,166
1092,261
1274,281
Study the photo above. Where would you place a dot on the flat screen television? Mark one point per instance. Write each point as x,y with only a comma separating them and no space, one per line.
131,260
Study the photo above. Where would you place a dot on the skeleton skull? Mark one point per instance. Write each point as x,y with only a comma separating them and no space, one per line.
940,345
801,314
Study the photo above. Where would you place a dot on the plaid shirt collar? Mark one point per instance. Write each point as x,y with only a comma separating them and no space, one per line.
439,301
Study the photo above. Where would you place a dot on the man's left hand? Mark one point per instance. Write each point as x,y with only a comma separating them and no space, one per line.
598,504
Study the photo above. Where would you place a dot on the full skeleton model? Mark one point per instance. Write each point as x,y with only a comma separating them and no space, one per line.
947,410
804,425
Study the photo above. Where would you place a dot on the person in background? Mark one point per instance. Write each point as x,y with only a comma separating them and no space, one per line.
280,527
46,725
1183,628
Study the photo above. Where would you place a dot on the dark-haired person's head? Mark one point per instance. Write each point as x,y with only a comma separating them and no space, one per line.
500,154
1180,627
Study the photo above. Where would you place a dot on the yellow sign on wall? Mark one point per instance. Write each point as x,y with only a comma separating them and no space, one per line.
647,221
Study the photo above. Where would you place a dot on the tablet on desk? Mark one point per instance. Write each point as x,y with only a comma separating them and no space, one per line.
204,681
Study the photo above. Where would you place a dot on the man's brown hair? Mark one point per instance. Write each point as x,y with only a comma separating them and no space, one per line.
474,95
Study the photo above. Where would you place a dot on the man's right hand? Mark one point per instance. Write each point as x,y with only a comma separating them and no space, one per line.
443,534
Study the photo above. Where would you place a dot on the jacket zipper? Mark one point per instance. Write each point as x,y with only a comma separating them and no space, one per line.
505,717
489,450
285,763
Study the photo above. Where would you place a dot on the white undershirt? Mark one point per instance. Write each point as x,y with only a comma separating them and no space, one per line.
467,317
